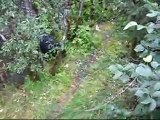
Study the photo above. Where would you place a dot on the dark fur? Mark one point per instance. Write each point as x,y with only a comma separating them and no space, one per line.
48,43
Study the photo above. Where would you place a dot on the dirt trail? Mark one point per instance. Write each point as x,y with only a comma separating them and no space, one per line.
80,75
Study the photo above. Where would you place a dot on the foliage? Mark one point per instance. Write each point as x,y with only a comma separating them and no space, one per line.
84,41
23,44
146,72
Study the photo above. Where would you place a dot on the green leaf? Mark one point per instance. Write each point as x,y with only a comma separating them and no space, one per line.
139,48
156,94
130,67
130,24
35,51
145,90
120,67
154,64
145,85
150,28
153,105
140,27
157,58
125,78
144,53
147,101
144,70
139,93
117,75
113,69
152,14
155,43
157,86
134,74
139,110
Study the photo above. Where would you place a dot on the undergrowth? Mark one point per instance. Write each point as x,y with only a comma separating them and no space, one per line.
33,101
36,99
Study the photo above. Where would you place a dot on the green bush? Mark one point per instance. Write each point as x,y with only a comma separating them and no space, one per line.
145,74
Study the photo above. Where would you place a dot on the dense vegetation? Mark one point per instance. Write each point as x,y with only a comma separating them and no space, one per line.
107,65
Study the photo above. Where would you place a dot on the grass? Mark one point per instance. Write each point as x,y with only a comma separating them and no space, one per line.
33,101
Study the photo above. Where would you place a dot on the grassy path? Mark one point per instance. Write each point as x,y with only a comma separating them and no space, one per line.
80,74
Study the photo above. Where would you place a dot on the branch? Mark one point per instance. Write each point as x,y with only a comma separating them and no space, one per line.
81,7
66,7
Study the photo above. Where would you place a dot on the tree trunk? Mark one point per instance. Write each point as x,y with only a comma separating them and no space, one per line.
26,7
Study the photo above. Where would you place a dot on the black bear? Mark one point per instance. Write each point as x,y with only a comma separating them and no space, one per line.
48,44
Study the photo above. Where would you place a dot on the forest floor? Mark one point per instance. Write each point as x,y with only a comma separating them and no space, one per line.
82,84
